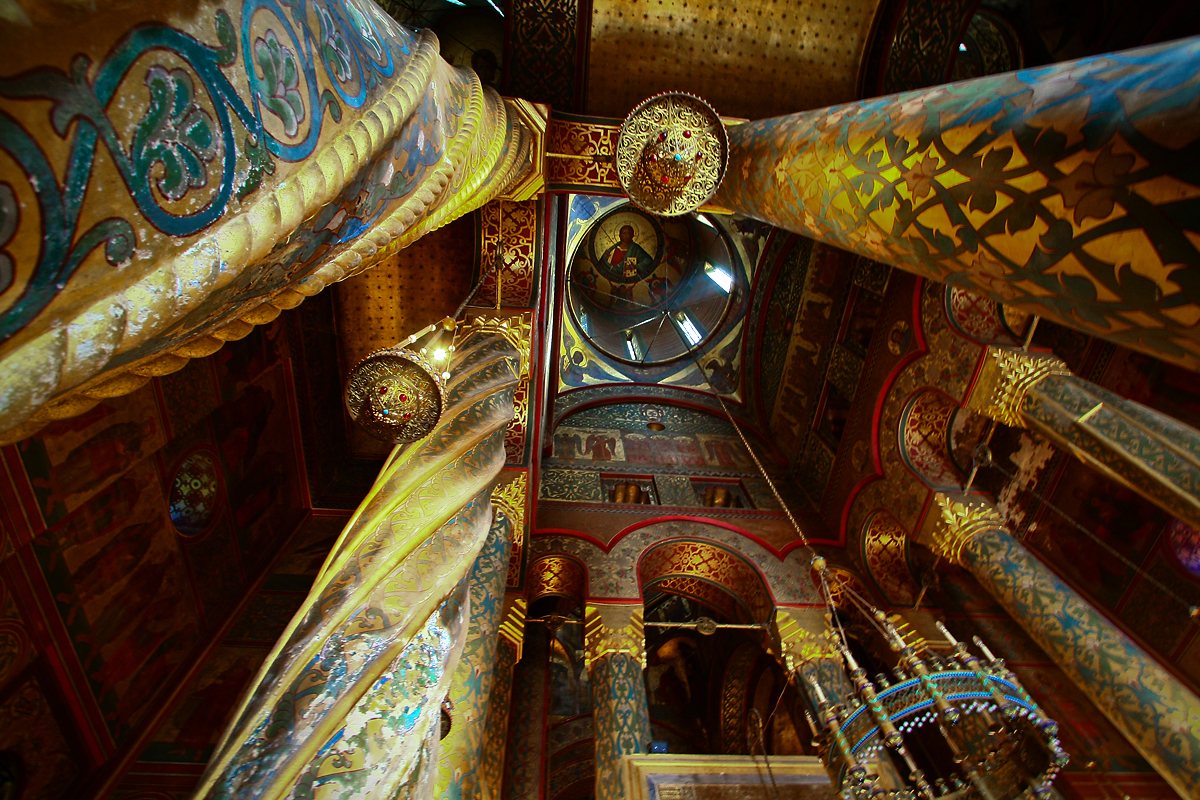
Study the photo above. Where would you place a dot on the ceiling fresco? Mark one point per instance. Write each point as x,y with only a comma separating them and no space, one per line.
681,285
768,58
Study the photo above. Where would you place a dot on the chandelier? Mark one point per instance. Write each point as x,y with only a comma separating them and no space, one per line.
1002,746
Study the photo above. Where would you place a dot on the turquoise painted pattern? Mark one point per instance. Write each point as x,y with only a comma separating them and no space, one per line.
1150,452
1154,711
622,719
470,688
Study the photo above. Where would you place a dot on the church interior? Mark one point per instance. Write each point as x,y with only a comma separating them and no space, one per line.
613,399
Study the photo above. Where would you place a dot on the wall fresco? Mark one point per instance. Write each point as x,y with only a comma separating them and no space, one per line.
29,727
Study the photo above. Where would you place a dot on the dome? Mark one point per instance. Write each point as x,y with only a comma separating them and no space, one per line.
646,289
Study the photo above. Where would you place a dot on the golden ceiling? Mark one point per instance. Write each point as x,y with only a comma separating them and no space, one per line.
757,59
418,285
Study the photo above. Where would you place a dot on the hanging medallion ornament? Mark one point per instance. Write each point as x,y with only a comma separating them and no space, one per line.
671,154
395,395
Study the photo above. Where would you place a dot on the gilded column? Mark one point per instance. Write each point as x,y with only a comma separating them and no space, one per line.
1066,190
1154,711
347,702
471,686
495,733
1151,453
615,653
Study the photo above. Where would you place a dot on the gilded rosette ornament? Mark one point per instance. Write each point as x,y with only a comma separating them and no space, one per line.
671,154
612,628
395,395
960,519
1005,380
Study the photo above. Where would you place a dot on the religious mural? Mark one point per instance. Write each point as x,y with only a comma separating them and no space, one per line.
638,438
649,296
631,260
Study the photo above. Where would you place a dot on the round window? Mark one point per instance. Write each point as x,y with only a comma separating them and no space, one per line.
1185,543
194,492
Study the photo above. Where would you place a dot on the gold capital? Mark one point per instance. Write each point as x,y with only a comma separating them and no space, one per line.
512,624
516,328
959,519
1005,380
610,628
798,642
510,498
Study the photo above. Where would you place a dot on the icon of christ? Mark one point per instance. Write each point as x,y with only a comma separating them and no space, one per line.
627,258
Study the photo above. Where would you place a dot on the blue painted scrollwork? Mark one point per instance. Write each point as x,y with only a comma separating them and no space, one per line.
188,133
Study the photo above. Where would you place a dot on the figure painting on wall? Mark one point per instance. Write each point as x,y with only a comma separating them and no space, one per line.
626,258
593,445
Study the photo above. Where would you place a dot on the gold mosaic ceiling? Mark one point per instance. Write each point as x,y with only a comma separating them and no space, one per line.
755,59
418,285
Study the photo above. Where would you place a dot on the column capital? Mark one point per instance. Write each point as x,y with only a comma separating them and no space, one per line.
798,642
510,498
512,624
517,328
610,628
956,520
1005,380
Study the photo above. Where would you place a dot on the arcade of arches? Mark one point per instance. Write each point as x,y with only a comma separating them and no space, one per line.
947,341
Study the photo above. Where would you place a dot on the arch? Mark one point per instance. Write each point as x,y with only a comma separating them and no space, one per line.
885,555
612,577
710,574
557,576
981,318
924,432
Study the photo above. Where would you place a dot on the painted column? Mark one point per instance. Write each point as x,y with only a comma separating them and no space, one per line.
347,702
1068,191
470,688
527,722
1151,453
1154,711
194,201
615,653
495,734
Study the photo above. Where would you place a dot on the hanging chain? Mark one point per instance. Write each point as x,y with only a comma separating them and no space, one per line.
987,461
755,725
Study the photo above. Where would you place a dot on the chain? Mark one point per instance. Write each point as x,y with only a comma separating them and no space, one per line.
988,462
756,723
